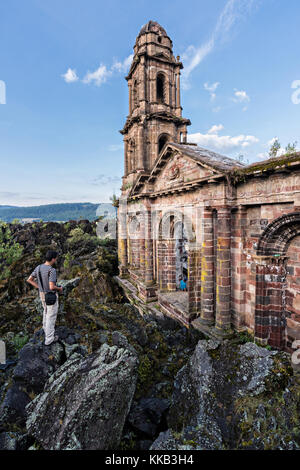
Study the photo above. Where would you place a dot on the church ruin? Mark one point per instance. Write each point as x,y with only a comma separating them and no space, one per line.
232,230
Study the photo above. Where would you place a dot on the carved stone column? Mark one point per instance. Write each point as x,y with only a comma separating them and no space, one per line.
148,249
141,244
207,269
178,106
126,167
140,147
223,278
194,281
130,95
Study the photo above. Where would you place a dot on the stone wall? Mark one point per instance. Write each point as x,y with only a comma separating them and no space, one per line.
244,262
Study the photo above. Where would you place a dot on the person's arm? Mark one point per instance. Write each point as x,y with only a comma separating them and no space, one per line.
31,281
54,287
52,281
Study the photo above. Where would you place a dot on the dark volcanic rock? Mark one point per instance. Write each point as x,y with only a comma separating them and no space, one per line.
146,415
85,402
222,400
12,409
36,363
14,441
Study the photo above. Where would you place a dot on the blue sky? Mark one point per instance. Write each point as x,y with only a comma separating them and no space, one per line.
63,63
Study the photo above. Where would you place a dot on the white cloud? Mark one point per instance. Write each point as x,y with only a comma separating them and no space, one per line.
263,155
241,96
97,77
70,76
215,129
102,73
193,56
123,67
271,142
211,89
222,143
233,12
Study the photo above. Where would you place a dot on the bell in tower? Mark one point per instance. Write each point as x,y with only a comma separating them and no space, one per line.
155,113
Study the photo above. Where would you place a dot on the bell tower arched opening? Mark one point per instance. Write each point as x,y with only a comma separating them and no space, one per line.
160,88
162,140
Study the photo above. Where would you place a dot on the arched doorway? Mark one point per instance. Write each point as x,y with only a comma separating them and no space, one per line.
176,262
277,319
181,253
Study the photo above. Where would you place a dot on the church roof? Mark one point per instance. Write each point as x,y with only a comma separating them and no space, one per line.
153,26
219,164
208,157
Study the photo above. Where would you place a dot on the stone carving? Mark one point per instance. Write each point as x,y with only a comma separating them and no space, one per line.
174,172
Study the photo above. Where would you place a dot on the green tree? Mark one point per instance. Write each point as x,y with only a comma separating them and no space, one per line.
114,200
77,237
274,149
291,148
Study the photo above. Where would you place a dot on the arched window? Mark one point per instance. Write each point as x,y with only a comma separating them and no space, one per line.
135,95
162,140
131,155
160,88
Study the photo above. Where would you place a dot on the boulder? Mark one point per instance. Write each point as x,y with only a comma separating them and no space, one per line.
222,400
36,363
85,402
12,408
14,441
146,416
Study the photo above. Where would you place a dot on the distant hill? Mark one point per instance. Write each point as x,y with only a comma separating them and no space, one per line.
56,212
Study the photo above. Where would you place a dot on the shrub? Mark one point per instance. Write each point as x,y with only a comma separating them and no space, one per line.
19,341
78,236
10,251
68,261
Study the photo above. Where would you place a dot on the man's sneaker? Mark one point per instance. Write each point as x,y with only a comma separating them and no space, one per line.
54,341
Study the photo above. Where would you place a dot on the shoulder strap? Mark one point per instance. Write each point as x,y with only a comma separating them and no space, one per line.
40,277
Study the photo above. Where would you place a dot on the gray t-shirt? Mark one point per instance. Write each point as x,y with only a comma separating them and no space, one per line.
48,274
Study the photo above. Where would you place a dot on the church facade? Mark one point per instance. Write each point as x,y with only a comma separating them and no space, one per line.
189,216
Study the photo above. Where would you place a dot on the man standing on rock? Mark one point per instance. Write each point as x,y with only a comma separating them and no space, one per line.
44,278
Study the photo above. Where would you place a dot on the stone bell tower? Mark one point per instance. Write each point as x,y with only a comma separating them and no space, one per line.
155,113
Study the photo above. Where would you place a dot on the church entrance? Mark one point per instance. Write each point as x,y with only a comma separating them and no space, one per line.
173,261
181,256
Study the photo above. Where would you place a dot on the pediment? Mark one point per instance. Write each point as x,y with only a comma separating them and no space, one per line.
182,167
173,169
180,170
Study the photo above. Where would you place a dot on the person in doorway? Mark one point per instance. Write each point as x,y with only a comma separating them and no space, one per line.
182,284
44,279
